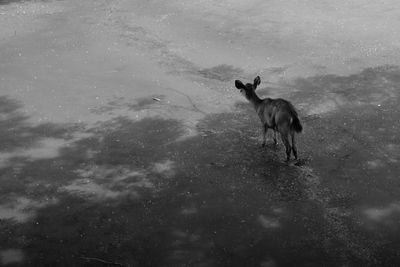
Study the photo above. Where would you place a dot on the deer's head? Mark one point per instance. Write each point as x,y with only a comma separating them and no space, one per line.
248,89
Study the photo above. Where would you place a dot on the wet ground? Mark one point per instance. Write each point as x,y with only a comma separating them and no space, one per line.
123,141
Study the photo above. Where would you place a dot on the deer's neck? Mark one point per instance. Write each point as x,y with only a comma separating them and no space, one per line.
254,100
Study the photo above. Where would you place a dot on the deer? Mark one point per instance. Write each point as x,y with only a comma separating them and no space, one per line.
276,114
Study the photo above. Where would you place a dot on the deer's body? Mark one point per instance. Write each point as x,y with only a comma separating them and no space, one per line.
277,114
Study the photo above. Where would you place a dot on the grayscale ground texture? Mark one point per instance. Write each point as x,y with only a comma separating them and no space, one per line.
124,142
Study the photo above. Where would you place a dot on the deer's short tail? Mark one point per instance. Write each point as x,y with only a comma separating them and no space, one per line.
296,124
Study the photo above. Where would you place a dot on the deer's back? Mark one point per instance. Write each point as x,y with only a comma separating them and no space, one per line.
274,112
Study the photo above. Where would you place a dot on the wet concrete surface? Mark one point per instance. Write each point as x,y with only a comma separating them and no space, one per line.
130,193
146,156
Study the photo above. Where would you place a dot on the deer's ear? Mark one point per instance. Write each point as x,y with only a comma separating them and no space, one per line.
257,81
239,85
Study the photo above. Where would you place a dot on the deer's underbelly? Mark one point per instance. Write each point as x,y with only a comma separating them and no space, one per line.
267,119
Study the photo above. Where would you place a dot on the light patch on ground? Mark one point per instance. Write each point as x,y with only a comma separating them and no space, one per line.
277,210
92,190
299,26
187,237
325,107
15,17
267,222
11,256
189,210
99,182
105,182
380,214
115,174
393,150
22,209
190,131
374,164
335,147
44,149
328,105
143,182
165,168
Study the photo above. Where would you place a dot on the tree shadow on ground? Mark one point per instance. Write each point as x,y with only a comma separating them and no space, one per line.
141,193
129,191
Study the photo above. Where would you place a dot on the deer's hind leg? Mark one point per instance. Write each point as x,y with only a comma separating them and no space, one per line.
294,149
285,140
